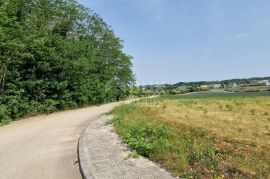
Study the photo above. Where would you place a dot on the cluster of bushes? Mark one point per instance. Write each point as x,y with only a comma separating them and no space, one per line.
184,89
55,55
167,90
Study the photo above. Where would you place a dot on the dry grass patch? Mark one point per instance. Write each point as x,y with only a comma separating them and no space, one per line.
222,137
237,118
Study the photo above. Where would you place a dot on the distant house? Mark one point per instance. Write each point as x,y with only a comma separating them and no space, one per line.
266,82
216,86
211,86
232,85
204,86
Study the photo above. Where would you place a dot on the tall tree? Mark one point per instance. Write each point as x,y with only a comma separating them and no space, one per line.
56,54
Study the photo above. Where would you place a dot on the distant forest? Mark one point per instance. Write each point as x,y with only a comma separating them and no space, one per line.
55,55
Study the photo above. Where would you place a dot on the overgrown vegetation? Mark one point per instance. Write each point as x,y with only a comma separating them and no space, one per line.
210,137
55,55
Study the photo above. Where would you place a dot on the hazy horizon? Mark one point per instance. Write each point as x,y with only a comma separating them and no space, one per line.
188,40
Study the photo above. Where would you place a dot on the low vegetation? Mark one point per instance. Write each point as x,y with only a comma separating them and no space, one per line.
205,137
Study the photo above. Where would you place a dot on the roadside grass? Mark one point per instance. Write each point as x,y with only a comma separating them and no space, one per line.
132,154
200,137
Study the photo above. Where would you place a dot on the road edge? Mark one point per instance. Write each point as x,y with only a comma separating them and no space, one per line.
133,168
82,160
83,166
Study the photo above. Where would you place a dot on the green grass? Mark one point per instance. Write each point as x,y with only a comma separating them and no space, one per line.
217,94
132,154
200,137
186,152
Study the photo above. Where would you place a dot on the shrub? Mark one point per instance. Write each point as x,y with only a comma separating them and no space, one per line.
4,115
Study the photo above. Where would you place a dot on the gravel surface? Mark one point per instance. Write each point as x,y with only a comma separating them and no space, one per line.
45,146
103,156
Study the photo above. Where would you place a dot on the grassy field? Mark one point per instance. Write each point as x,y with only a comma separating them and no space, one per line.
201,137
249,89
221,93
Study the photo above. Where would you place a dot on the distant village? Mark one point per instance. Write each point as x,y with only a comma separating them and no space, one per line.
234,85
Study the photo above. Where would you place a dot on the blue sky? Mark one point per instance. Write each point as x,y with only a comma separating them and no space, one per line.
191,40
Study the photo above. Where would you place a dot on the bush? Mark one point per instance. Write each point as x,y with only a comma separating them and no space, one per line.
4,115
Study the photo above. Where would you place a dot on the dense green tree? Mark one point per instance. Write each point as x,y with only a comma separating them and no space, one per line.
56,54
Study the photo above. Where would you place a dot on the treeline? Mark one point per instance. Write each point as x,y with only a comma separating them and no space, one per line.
149,90
55,55
243,81
188,87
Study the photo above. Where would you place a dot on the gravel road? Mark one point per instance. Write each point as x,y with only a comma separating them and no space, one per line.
45,146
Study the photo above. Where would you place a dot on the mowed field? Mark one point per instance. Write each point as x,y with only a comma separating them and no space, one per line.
241,118
201,136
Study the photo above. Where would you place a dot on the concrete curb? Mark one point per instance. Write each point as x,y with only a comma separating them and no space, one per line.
84,167
102,153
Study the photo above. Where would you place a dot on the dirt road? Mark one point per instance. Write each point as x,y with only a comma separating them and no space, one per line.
45,146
